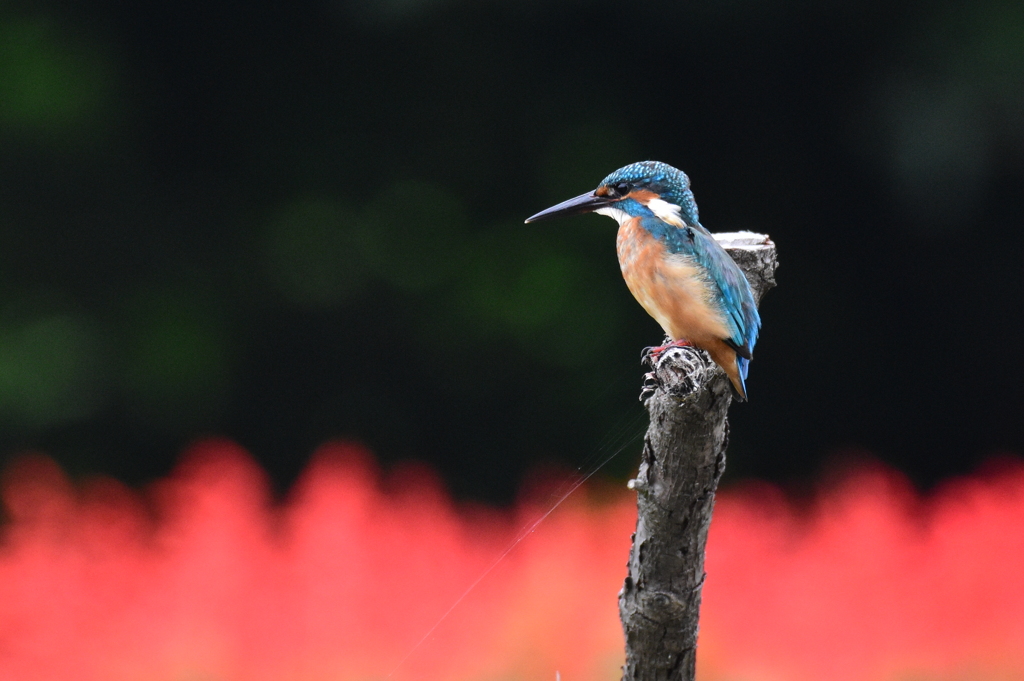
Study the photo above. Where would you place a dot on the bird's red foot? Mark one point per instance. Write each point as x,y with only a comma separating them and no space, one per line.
652,354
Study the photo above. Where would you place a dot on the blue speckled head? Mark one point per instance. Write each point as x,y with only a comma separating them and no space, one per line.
671,184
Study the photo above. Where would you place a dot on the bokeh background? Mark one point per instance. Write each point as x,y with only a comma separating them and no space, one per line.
282,371
288,222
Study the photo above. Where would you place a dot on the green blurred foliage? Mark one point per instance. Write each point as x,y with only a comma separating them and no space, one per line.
53,367
176,360
414,236
507,280
313,253
547,298
51,85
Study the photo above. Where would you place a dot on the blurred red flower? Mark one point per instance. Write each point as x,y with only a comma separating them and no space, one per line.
203,577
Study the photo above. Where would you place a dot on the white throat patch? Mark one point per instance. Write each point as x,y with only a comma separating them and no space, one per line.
663,210
620,215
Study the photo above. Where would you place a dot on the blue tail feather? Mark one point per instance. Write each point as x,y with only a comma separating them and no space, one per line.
743,365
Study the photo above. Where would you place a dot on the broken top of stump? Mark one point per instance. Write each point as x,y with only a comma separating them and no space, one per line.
755,254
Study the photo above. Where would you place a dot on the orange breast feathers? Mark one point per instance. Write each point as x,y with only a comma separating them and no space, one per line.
671,287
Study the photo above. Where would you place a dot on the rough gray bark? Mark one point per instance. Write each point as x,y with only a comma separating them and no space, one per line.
688,398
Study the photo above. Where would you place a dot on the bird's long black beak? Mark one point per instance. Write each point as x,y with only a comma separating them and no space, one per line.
584,203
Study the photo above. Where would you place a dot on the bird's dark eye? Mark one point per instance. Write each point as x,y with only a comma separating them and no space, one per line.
623,188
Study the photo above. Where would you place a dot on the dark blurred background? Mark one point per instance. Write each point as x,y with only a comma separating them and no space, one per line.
288,222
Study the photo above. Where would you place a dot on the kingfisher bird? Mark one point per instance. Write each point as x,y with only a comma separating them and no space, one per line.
673,266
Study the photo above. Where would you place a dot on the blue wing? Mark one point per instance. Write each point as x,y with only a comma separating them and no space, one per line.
732,289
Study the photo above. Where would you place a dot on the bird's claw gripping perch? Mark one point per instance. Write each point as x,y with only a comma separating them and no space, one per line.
649,386
652,353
